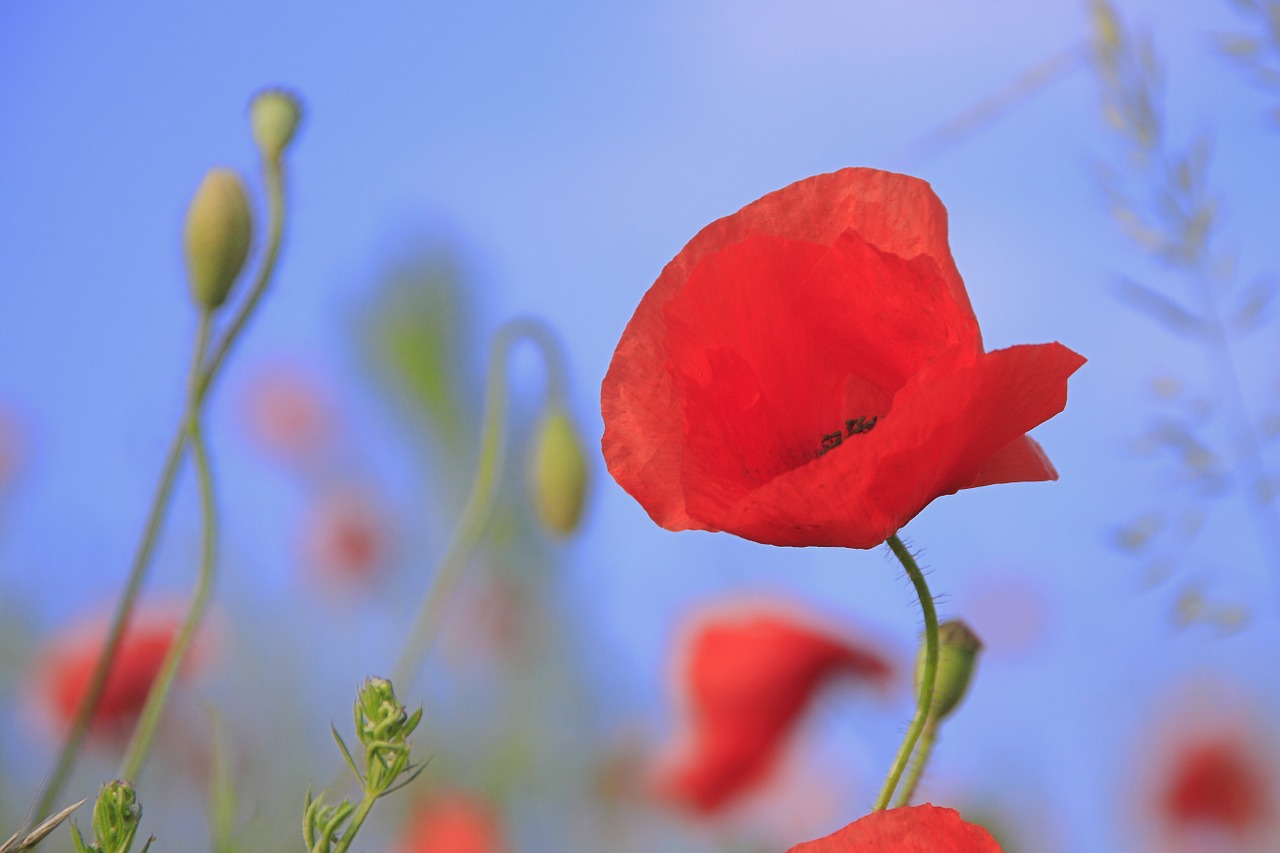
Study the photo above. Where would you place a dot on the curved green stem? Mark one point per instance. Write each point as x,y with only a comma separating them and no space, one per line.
927,739
479,507
927,677
200,380
136,753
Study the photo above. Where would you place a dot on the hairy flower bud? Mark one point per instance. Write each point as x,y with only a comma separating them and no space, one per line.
216,239
958,649
558,473
274,115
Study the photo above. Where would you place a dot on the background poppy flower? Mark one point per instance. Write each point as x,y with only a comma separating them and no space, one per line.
1209,777
62,671
911,829
346,536
747,677
1220,782
452,823
809,371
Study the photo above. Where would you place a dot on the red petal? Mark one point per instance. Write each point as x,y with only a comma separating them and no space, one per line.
940,431
643,442
911,829
1022,460
748,677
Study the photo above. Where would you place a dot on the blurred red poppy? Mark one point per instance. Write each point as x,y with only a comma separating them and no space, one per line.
62,671
452,823
1219,782
809,371
911,829
747,677
289,416
346,536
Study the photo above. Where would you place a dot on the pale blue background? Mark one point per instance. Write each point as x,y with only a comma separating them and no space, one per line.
569,150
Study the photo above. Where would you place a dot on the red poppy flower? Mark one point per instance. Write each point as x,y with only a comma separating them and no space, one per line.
62,672
454,823
1218,782
911,829
808,371
747,677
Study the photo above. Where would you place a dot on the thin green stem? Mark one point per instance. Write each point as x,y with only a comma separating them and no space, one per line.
927,676
136,753
199,382
357,820
479,507
79,728
927,739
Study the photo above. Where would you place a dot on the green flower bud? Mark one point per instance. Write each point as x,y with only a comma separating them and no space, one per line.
274,115
558,473
216,239
383,726
116,815
958,649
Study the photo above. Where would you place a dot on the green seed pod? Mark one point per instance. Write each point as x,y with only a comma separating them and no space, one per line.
274,115
958,649
216,239
558,473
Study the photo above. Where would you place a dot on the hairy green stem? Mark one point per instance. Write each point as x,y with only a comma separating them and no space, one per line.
927,676
200,380
136,753
923,749
479,507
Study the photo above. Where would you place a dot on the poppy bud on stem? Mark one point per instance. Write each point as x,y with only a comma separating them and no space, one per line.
958,649
216,238
204,371
480,503
274,115
558,472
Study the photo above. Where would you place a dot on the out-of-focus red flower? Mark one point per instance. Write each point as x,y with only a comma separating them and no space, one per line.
1210,780
62,671
452,823
288,415
809,371
345,537
1219,782
747,677
910,829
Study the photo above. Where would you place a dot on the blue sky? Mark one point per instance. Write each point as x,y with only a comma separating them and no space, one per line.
568,150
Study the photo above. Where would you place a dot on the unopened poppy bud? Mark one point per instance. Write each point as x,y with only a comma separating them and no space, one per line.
274,115
216,239
558,473
958,649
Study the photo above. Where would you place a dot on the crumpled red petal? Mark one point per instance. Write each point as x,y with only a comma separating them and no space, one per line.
911,829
